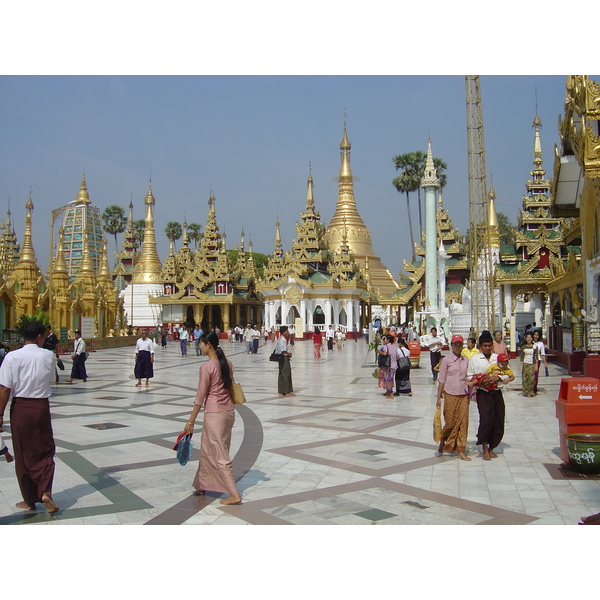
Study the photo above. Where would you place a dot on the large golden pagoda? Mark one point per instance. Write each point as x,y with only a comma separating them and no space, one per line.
358,236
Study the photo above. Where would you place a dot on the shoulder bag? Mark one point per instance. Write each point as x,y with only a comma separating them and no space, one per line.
384,361
237,393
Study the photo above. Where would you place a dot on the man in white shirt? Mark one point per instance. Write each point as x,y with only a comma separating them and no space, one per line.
329,335
292,334
490,403
27,374
435,343
79,357
255,338
184,336
248,338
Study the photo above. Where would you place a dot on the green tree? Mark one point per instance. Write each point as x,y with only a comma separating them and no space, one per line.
507,230
408,181
139,226
24,320
114,221
173,231
195,233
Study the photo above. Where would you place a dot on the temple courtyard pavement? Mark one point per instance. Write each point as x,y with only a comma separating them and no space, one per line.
337,453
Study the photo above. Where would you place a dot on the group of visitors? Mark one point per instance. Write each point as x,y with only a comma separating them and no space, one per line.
396,371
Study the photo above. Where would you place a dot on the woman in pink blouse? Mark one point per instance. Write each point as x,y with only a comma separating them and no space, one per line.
215,472
452,385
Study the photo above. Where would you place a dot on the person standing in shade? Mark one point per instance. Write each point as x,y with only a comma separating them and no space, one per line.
284,380
317,342
215,471
27,375
248,338
144,358
163,337
79,356
402,376
499,346
329,335
490,403
183,339
292,331
197,333
452,384
435,344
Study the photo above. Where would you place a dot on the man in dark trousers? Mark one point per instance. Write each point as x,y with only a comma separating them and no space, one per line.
27,374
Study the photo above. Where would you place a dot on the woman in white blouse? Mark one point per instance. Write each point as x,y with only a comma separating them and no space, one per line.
144,358
541,355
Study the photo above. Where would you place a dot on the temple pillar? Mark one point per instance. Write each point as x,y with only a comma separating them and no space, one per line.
539,309
225,310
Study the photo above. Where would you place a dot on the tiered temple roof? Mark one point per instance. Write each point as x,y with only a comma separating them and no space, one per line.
9,248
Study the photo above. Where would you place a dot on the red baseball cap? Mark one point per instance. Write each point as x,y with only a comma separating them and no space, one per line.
502,357
457,338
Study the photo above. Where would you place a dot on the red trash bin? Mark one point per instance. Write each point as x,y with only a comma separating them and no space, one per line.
415,353
577,409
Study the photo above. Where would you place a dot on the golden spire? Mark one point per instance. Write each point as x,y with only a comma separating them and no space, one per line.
277,236
104,269
8,225
493,219
538,172
430,177
86,260
27,251
310,201
83,197
60,266
148,267
185,239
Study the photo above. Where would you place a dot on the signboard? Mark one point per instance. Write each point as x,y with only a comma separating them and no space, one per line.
87,327
64,335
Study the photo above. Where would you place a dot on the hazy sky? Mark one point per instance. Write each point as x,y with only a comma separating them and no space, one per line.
250,139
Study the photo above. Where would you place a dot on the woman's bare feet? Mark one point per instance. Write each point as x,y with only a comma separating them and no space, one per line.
441,446
493,454
233,499
463,456
25,505
9,457
138,383
199,492
49,503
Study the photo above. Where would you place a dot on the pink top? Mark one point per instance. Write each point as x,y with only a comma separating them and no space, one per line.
499,348
453,374
211,388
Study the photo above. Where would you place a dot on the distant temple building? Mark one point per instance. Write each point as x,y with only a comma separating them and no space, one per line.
82,217
203,286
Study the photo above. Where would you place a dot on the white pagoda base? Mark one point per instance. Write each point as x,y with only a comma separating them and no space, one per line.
138,311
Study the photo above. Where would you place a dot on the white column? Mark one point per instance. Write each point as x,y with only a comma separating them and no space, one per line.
329,320
539,309
430,247
507,301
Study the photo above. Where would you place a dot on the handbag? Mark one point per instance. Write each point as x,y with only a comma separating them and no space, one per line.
237,393
437,425
276,357
403,363
384,361
183,446
60,364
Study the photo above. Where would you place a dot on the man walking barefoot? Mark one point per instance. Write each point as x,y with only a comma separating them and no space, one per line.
27,374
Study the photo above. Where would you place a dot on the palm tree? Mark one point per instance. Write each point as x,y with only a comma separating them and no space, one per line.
114,221
407,182
139,226
173,231
195,233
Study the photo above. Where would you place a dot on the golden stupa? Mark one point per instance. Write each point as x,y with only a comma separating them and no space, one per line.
347,223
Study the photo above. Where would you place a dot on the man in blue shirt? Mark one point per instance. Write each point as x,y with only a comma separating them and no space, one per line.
197,333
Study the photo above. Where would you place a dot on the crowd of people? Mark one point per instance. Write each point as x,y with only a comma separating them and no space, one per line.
477,371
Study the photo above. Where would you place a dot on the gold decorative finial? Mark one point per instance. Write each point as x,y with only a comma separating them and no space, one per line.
83,197
27,252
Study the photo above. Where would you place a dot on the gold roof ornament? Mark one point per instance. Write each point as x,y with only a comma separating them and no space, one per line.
430,177
358,236
27,251
493,219
60,266
104,270
9,248
148,267
83,196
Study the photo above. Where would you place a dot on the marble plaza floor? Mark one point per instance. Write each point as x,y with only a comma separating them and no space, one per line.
337,453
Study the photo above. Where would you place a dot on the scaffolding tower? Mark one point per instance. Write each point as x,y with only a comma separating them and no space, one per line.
480,252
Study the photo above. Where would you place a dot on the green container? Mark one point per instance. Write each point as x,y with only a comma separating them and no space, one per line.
584,452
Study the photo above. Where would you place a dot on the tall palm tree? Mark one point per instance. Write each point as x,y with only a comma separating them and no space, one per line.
407,182
195,233
114,221
173,231
139,226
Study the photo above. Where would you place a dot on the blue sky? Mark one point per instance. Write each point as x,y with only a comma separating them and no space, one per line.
250,139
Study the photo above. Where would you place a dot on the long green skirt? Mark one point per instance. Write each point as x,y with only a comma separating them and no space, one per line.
528,379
